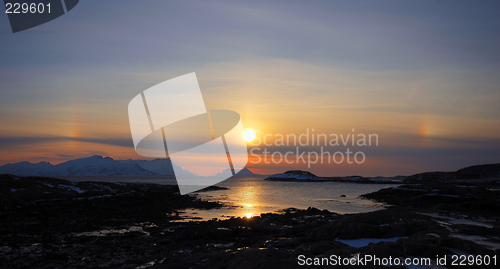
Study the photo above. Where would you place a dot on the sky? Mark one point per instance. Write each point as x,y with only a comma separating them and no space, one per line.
422,75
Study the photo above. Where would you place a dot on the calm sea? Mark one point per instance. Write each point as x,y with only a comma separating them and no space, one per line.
251,196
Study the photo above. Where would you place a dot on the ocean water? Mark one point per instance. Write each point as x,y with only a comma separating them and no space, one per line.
251,196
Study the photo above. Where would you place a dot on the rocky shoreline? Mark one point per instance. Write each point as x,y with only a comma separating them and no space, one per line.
53,223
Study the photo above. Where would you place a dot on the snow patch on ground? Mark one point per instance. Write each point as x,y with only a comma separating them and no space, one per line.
445,221
113,231
408,189
14,190
450,220
73,188
357,243
442,195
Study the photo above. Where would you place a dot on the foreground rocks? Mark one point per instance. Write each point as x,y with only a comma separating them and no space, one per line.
474,198
135,226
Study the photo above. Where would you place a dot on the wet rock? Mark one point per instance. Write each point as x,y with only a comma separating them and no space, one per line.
130,230
275,253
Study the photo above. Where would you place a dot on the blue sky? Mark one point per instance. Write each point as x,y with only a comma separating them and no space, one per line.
421,74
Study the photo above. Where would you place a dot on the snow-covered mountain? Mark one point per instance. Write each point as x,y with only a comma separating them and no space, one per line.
26,168
100,166
161,167
91,166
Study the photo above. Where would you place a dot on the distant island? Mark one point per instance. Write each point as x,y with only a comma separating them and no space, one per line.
304,176
477,172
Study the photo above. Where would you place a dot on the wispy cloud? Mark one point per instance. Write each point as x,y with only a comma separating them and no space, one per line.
15,142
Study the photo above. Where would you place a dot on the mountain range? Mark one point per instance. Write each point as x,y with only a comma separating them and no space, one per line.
100,166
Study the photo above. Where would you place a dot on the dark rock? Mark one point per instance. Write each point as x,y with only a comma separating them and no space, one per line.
275,253
165,241
212,188
126,229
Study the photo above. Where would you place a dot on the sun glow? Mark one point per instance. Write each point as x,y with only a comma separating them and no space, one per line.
249,135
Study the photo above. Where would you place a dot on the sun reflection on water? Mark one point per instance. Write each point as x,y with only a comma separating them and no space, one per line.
249,196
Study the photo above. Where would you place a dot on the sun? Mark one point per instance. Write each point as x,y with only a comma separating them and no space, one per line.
249,135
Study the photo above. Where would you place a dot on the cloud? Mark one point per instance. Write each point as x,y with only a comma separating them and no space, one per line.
401,69
15,142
